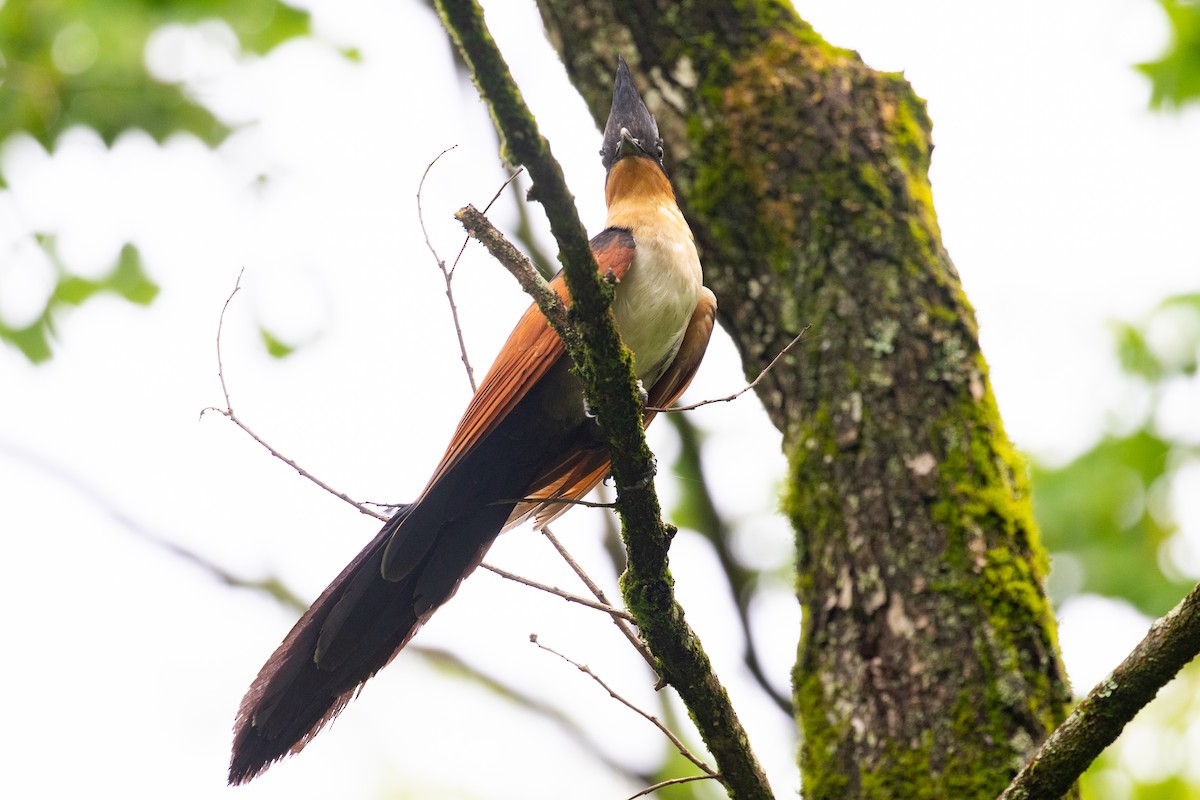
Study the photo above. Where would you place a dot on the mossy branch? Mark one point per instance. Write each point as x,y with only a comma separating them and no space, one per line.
606,368
1172,641
551,305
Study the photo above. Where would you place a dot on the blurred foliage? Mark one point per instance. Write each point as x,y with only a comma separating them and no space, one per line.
276,347
66,63
697,510
1175,76
81,62
1107,514
1096,510
127,279
1107,510
1155,757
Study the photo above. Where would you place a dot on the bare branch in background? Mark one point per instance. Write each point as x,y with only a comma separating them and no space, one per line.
281,593
613,611
268,584
653,720
704,517
670,782
744,389
600,595
229,414
447,273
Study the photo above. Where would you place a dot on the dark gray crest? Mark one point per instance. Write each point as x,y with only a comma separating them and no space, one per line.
631,129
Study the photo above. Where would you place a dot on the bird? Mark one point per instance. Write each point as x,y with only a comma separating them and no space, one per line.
525,444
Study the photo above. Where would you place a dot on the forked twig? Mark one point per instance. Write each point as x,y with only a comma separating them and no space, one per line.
229,414
655,721
744,389
486,209
599,594
447,274
232,416
554,590
555,501
479,227
671,782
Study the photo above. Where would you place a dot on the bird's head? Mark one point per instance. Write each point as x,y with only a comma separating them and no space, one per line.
631,131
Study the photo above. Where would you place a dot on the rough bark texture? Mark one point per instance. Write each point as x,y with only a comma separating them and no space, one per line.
928,665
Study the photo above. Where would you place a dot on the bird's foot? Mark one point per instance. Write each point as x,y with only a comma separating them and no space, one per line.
643,396
646,479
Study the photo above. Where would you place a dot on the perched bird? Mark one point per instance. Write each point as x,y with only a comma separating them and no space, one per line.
526,434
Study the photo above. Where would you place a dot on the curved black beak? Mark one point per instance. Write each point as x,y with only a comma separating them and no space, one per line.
631,129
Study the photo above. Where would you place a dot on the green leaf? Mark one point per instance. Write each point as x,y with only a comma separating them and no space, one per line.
275,347
66,63
32,341
82,62
1175,76
73,290
129,279
1096,509
1135,355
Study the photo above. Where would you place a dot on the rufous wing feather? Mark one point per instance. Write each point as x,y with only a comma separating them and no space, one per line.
583,470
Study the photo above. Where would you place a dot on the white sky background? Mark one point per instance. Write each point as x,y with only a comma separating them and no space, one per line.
1063,201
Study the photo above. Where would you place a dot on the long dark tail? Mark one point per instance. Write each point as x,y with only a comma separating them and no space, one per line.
357,625
413,566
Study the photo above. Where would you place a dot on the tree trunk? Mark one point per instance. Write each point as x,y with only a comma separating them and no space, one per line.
928,663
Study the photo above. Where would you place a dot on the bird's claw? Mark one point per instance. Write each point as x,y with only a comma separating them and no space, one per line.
648,478
643,396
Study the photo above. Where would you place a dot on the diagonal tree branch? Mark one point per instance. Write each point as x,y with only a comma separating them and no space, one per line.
606,369
1172,641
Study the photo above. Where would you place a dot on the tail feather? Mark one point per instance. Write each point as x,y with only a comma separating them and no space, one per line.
357,625
411,567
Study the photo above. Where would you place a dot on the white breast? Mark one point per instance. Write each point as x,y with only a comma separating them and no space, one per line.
658,294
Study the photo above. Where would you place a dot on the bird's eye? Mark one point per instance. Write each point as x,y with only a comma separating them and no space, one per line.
660,150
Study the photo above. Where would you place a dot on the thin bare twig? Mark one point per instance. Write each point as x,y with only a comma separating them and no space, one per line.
481,228
554,590
447,274
566,501
744,389
392,507
578,730
599,594
671,782
653,720
268,585
229,414
486,209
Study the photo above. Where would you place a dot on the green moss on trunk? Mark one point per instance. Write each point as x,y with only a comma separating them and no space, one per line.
928,663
